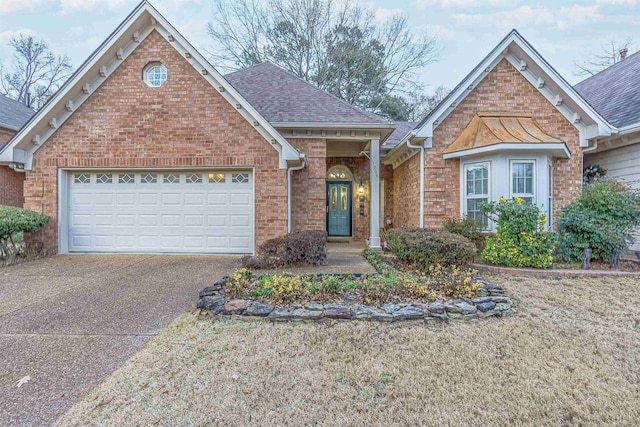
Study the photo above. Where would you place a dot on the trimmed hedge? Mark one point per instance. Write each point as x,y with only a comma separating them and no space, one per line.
421,248
16,221
301,247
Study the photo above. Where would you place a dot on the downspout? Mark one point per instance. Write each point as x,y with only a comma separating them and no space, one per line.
421,147
289,172
16,168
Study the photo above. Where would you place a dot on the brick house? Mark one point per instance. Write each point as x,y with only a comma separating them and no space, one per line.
13,115
147,148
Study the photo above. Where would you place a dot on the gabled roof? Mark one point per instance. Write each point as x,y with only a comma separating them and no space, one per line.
142,21
497,131
283,98
615,91
13,114
398,134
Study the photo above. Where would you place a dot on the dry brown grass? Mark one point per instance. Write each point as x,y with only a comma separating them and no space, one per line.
571,355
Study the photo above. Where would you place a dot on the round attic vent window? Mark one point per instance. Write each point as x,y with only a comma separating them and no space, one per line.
155,75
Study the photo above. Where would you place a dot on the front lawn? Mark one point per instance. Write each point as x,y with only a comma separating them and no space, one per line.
571,355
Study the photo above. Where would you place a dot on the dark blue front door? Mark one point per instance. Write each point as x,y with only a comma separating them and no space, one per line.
339,208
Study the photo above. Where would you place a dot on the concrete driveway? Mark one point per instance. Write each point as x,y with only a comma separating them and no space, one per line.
69,321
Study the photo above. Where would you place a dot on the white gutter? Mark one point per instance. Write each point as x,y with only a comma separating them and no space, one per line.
289,171
421,147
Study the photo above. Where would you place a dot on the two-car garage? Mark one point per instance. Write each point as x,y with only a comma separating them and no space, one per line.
163,211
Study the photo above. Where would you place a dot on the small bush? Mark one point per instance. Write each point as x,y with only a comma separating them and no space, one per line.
284,288
453,282
467,227
520,240
422,248
301,247
602,219
16,221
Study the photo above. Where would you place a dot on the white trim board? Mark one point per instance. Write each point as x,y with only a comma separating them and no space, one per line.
104,61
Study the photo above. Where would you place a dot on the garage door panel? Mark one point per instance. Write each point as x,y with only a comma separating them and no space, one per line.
128,211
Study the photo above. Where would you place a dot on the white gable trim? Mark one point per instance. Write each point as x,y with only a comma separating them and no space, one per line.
521,55
104,61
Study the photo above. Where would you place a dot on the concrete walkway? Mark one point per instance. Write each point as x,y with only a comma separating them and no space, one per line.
67,322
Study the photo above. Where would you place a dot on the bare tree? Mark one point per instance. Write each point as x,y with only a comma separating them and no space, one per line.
611,53
36,72
334,44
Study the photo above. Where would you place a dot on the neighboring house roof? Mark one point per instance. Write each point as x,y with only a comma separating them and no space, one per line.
283,98
615,91
13,114
398,134
104,61
487,129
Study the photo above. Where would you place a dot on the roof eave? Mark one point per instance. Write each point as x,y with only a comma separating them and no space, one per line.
557,149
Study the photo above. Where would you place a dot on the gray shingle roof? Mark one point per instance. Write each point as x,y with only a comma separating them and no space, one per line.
615,92
13,114
402,129
282,97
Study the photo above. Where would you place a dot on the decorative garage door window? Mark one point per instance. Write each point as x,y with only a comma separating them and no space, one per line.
194,178
104,178
127,178
149,178
170,178
216,178
240,178
82,178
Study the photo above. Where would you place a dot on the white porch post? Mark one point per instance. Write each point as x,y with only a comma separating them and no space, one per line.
374,202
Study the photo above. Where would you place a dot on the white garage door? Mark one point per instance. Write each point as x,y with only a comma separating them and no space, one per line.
161,211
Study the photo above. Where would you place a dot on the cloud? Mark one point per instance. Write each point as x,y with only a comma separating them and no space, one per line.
8,6
629,3
383,14
442,33
83,5
462,4
561,18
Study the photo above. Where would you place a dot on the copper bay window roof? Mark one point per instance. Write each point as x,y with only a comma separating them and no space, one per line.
489,129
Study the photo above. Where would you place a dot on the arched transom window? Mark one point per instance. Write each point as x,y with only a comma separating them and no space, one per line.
339,172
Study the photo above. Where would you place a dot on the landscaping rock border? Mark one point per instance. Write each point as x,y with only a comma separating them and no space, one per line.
490,301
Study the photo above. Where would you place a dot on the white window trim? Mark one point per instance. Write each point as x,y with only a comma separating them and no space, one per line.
463,186
533,184
145,74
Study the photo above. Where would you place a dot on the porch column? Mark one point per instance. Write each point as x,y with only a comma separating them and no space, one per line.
374,202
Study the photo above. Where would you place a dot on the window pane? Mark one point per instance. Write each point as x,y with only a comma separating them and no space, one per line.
334,199
344,200
473,211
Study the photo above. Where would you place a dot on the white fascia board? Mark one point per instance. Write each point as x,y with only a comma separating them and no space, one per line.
528,59
630,129
555,149
120,44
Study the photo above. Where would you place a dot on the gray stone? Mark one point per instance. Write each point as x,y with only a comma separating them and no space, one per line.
501,299
461,316
211,290
496,291
235,306
460,307
337,311
508,312
467,300
408,312
442,316
481,300
391,307
314,307
490,313
282,314
349,299
258,309
365,312
212,303
486,306
436,307
302,314
503,306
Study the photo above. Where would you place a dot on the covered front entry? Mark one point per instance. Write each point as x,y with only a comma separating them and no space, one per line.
339,208
207,211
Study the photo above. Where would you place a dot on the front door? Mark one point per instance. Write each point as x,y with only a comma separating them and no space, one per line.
339,208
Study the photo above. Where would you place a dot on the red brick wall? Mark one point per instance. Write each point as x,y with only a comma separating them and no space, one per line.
503,89
360,169
186,122
11,182
308,187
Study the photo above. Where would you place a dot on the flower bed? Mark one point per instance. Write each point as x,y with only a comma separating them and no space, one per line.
444,293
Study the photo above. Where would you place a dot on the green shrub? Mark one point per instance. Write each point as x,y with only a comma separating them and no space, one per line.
301,247
467,227
420,248
602,219
16,221
520,240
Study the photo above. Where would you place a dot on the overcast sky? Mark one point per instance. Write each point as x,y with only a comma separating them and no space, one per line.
562,31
